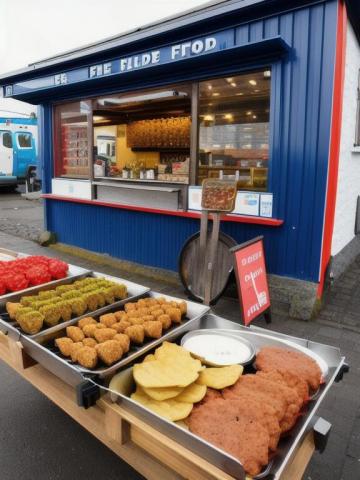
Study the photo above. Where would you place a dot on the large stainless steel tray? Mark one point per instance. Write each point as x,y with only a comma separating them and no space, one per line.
41,347
259,337
12,328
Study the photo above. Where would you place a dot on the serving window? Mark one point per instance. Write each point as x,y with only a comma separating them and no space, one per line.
72,142
164,139
234,129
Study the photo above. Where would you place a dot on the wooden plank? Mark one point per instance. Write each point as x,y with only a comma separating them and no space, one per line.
296,469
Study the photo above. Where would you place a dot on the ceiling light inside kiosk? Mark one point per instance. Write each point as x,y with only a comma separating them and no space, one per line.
143,98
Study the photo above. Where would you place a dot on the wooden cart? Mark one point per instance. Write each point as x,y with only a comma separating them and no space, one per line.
152,454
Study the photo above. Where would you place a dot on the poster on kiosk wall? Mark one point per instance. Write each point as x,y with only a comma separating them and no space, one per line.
253,290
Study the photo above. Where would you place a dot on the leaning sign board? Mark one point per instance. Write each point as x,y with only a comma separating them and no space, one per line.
249,264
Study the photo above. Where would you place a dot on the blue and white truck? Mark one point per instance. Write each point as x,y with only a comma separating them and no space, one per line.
18,149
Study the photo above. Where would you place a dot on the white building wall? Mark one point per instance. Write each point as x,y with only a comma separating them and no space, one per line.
349,161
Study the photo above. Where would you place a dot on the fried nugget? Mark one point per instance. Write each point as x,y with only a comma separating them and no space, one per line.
74,348
109,295
99,326
65,310
165,320
28,300
52,314
120,315
91,300
78,306
22,311
87,357
100,297
89,342
86,321
123,324
174,314
89,330
12,308
153,329
136,333
47,294
143,311
31,322
64,345
130,306
103,334
246,439
120,291
142,303
136,320
297,363
63,288
161,300
124,341
157,312
108,319
183,307
75,333
133,314
110,351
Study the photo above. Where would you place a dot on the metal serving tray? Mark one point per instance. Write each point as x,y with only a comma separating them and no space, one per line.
41,347
11,327
259,337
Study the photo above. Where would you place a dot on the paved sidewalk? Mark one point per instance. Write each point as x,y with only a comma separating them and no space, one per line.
38,440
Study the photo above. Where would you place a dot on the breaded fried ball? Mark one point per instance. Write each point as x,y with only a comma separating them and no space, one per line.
108,319
120,328
161,300
99,326
174,314
156,313
142,303
86,321
183,307
31,322
153,329
12,308
89,329
130,306
103,334
89,342
65,310
165,320
120,315
52,314
124,341
124,324
78,306
74,348
148,318
143,311
75,333
64,345
136,320
133,313
110,351
136,333
87,357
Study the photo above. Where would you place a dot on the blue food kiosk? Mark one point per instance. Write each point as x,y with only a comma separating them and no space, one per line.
263,92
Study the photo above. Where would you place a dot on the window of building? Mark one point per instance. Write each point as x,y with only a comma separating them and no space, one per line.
72,140
357,133
234,117
7,140
24,140
143,135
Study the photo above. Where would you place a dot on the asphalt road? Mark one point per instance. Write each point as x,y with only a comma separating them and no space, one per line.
20,217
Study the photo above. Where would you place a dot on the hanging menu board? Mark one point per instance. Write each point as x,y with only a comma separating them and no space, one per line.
249,264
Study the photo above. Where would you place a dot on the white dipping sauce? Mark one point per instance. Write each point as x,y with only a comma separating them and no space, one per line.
218,349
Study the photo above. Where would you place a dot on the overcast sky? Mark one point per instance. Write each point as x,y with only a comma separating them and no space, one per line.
34,29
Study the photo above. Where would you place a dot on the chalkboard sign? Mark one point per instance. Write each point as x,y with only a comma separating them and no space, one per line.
250,269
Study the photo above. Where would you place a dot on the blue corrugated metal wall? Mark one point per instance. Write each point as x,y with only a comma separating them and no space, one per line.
300,132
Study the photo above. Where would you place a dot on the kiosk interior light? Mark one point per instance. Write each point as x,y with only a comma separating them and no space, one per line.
253,82
143,98
233,84
216,94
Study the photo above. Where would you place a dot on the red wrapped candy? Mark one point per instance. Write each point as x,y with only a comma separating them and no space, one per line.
57,268
15,281
38,274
